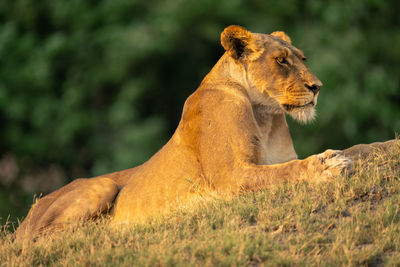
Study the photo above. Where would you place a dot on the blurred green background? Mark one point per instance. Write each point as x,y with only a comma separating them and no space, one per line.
89,87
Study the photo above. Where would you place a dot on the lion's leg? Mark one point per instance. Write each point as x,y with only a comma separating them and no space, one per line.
316,167
81,199
363,151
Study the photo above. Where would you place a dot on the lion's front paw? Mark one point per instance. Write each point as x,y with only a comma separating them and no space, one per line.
335,162
330,163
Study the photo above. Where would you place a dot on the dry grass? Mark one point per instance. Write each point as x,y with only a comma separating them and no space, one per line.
345,221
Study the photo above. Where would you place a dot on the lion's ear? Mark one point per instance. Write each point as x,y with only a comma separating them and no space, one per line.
282,36
237,41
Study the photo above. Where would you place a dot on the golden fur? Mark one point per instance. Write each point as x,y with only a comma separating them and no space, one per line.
232,137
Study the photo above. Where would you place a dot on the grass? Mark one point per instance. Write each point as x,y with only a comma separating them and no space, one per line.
349,221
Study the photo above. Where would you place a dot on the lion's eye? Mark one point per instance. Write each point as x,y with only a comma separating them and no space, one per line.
282,60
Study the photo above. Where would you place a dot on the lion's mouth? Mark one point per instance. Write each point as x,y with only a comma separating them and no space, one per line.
289,107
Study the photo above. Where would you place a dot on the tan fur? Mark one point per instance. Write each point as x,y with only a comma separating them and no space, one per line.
232,137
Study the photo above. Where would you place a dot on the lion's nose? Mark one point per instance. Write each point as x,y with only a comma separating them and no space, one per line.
313,88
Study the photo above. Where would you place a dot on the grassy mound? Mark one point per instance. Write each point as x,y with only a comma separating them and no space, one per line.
343,221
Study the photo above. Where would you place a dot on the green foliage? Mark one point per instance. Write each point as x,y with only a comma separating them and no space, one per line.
98,86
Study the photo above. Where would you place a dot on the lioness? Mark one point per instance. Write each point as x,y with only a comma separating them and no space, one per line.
232,137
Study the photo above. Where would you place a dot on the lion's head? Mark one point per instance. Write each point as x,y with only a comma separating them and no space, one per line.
275,70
